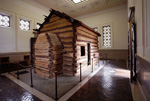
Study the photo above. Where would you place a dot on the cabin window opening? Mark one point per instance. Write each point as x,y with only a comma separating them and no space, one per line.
82,50
24,25
107,41
4,20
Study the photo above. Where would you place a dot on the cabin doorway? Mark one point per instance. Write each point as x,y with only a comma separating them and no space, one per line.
88,53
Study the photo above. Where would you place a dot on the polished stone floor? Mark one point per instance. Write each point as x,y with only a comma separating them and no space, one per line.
111,83
10,91
47,86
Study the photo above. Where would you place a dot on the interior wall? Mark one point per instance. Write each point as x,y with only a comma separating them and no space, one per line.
117,18
13,39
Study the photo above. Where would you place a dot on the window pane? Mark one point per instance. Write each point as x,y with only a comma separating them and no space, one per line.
37,26
24,25
95,28
106,36
4,20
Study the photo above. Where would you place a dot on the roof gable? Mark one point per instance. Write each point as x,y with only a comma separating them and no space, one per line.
75,22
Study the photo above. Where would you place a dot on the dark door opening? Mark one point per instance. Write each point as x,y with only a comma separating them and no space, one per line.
89,54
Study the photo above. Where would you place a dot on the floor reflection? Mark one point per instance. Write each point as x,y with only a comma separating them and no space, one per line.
27,97
111,83
122,73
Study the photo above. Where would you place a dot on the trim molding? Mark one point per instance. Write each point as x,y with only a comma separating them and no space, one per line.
143,95
113,49
13,53
146,59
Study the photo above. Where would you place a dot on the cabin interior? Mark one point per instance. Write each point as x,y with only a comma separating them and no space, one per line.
103,44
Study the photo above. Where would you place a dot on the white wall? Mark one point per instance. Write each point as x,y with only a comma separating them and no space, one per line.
147,28
117,17
13,39
142,21
139,28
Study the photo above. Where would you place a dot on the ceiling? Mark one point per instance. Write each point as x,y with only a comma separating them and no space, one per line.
76,10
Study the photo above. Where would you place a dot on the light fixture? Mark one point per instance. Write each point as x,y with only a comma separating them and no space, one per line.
78,1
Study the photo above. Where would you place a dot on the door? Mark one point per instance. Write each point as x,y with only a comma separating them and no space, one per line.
89,54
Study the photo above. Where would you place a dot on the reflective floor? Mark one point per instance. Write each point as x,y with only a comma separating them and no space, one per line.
110,84
10,91
65,82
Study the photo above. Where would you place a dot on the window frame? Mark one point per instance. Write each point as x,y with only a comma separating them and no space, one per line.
101,38
9,16
30,24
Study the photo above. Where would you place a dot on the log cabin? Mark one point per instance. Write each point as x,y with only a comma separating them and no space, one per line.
78,43
15,44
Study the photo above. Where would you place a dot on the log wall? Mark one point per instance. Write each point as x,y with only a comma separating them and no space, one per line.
84,37
64,29
48,55
72,36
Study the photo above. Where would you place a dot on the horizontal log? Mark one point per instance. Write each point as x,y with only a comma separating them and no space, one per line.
67,71
68,55
53,15
68,60
40,43
42,51
55,22
68,45
63,30
57,66
94,51
57,61
42,58
79,40
43,73
58,56
68,49
41,37
41,54
67,40
42,64
68,63
54,18
86,30
80,43
81,32
85,39
81,60
43,68
94,45
66,37
59,26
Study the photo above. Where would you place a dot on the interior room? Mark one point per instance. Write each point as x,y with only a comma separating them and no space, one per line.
74,50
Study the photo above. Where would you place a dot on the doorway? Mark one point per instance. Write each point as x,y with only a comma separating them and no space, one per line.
89,53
